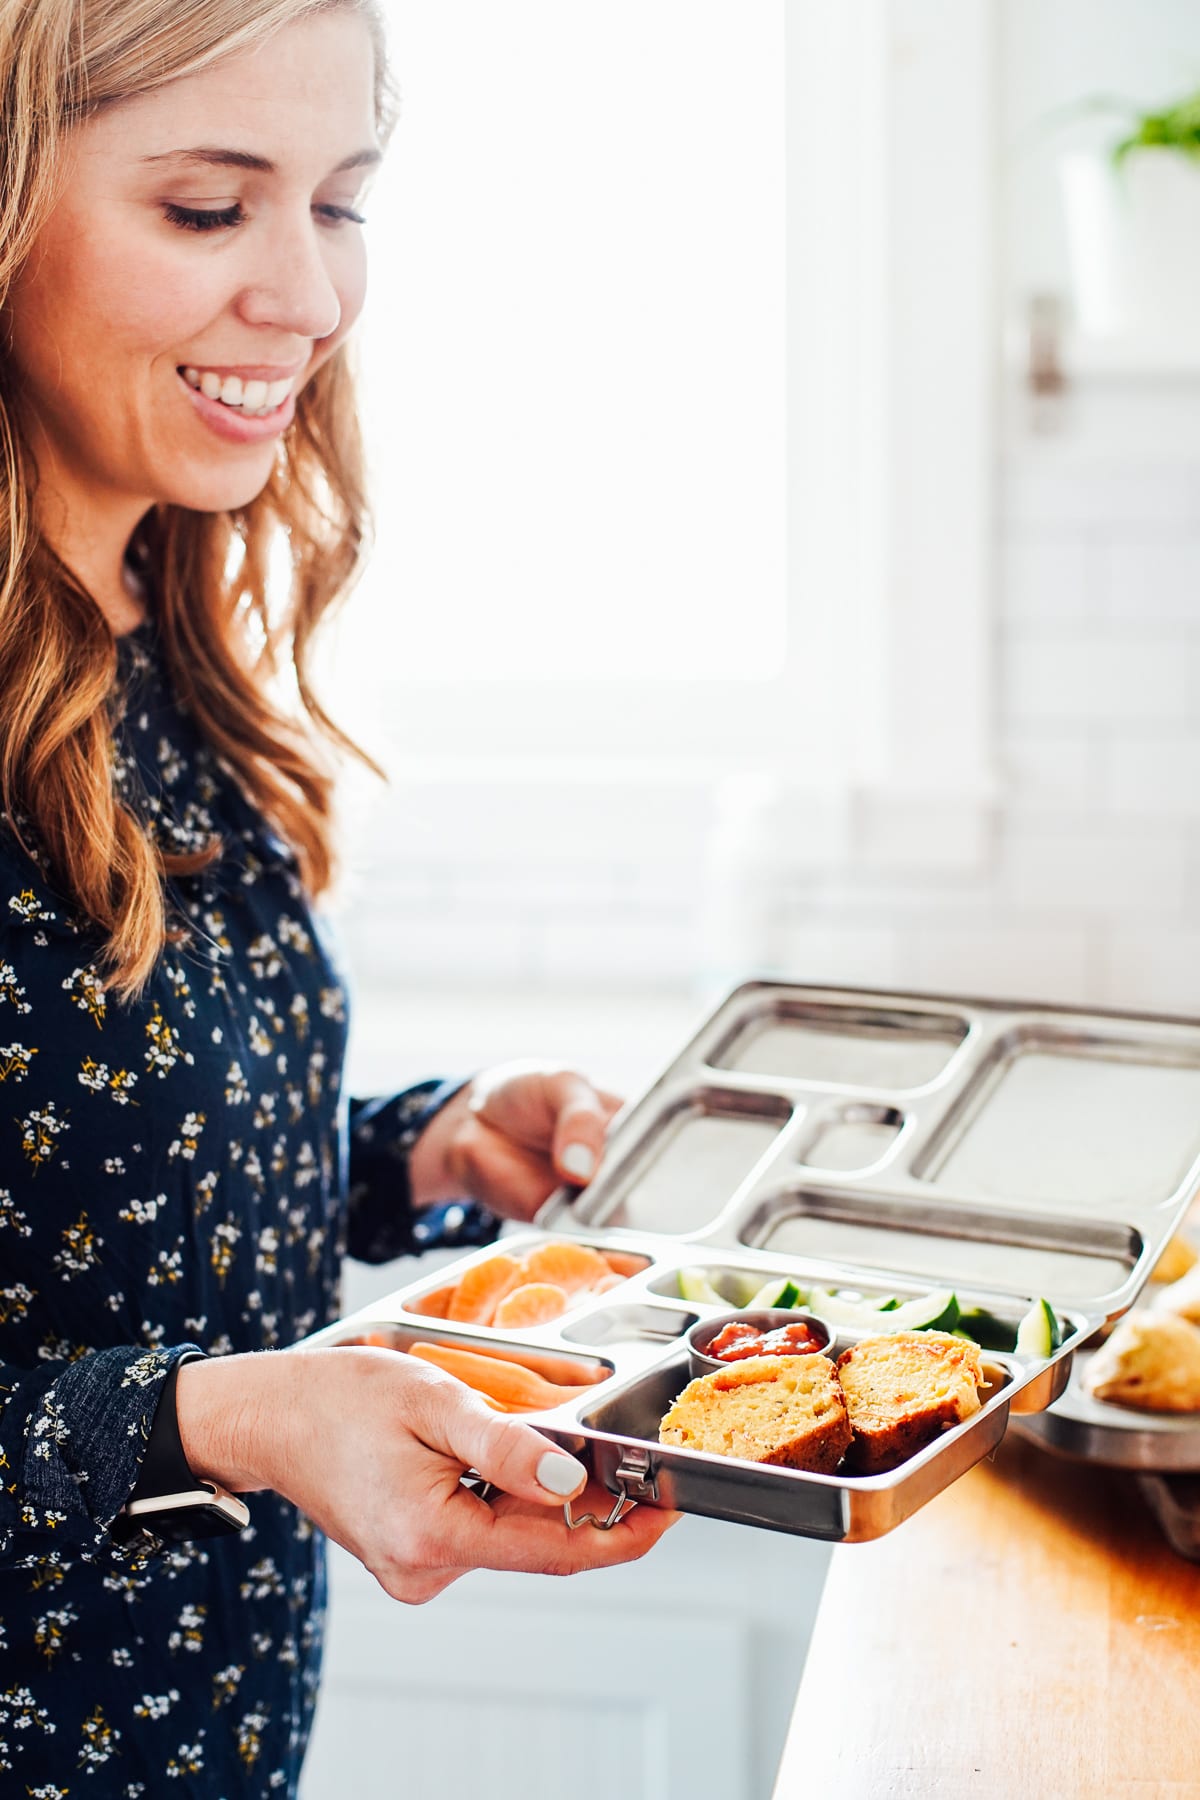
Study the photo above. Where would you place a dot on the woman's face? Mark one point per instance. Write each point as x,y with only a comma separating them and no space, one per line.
203,246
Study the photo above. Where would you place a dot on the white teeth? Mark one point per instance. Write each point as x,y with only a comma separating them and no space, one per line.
252,398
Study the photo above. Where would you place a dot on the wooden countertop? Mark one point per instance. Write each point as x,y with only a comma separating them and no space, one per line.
1029,1635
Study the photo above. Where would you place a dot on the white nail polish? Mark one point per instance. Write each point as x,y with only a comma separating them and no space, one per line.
579,1162
559,1474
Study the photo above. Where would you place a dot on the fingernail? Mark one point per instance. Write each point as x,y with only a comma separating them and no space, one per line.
560,1475
579,1162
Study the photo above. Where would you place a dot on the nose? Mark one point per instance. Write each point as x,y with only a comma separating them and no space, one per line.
291,285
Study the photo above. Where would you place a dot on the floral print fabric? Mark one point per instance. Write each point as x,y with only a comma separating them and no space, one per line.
182,1172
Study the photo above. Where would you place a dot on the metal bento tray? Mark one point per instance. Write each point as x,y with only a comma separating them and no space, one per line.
872,1141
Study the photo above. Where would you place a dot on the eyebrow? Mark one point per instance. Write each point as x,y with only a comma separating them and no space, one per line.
212,157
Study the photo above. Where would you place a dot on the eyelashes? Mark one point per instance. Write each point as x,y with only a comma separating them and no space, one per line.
192,219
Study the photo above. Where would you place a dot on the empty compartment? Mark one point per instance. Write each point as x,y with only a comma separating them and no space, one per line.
691,1163
1097,1127
631,1324
942,1246
857,1138
555,1379
848,1046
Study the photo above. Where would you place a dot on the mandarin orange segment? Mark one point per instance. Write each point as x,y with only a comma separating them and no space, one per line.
480,1289
622,1263
432,1306
571,1267
531,1304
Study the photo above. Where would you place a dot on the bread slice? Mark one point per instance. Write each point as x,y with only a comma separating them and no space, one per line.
785,1410
904,1390
1152,1362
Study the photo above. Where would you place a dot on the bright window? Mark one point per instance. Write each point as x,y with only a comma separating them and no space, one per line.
574,354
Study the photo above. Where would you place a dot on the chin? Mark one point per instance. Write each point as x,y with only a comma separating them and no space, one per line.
224,491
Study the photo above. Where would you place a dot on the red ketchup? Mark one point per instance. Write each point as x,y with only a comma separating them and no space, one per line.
736,1341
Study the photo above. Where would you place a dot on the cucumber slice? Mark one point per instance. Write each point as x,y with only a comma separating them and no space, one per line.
694,1285
986,1330
928,1312
1039,1333
739,1289
890,1304
855,1313
779,1291
932,1312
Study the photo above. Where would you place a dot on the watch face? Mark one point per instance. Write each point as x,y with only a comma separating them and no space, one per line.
213,1520
203,1512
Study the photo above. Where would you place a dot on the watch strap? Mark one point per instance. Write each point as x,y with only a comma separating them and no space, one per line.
164,1467
168,1501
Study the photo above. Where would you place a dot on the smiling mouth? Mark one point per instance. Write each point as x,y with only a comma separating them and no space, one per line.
253,399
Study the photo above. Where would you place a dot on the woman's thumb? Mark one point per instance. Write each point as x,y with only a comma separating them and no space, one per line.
579,1127
514,1457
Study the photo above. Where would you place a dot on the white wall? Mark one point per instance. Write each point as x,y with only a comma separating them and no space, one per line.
1085,885
1076,884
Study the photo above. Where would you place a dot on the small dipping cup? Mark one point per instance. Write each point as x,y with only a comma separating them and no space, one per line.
762,1319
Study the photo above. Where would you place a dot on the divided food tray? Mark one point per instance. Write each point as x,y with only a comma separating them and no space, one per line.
883,1143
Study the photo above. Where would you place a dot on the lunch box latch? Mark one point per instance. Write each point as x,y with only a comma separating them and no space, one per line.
635,1480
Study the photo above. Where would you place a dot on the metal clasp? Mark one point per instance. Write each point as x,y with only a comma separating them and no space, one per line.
635,1481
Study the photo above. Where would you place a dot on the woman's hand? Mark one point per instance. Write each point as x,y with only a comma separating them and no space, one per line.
371,1445
511,1137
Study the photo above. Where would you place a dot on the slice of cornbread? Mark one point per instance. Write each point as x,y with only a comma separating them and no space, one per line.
1152,1362
903,1390
785,1410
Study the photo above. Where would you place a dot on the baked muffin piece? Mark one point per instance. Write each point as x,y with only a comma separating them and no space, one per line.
903,1390
1152,1362
785,1410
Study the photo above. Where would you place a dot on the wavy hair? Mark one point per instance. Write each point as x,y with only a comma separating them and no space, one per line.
229,639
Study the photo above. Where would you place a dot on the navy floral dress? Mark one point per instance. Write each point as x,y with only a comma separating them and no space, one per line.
179,1173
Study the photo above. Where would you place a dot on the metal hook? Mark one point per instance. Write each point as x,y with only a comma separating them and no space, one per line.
622,1506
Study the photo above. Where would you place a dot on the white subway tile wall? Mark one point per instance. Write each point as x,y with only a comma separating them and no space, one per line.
1081,884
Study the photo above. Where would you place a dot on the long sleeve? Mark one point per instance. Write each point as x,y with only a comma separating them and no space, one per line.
383,1222
72,1439
170,1177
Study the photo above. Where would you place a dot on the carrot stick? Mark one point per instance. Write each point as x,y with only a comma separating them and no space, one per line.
510,1383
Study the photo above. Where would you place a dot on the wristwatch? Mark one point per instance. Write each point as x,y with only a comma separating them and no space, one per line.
168,1501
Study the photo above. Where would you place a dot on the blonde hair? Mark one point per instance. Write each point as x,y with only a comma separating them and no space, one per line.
227,641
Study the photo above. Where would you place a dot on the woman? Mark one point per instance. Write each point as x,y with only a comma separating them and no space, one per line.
181,261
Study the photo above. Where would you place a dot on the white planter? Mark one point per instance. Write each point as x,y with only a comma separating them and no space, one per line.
1133,239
